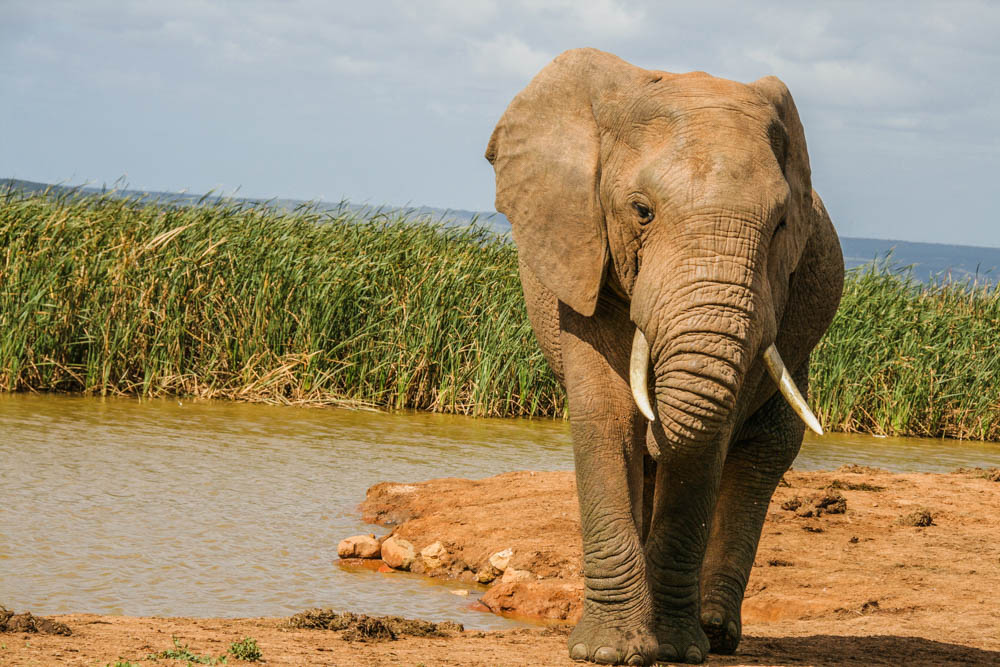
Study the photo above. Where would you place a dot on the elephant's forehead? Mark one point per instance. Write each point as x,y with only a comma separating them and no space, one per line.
697,97
689,172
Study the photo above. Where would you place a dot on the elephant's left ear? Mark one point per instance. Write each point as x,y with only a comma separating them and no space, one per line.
545,151
796,158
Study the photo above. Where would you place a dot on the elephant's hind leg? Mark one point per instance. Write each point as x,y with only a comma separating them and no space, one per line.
754,465
608,446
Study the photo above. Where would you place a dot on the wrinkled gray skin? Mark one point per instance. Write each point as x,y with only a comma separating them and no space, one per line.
681,205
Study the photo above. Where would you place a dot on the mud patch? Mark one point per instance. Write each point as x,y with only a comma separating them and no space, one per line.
869,607
364,628
861,470
26,622
829,502
920,518
851,486
992,474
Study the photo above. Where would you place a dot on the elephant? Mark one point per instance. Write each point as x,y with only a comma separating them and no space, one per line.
669,245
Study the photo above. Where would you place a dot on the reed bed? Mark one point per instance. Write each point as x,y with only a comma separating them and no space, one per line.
105,295
906,358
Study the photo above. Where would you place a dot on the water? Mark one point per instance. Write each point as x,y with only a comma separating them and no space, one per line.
181,508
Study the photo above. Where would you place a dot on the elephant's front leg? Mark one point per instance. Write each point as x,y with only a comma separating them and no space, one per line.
687,482
608,442
761,454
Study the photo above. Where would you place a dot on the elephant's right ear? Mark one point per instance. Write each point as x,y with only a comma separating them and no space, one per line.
545,151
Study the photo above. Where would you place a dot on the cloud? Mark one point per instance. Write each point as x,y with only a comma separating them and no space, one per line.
353,66
601,17
311,81
507,55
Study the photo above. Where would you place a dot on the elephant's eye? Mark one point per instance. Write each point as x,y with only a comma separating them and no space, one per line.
643,211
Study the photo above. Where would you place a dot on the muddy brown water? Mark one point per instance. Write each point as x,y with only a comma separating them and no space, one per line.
178,508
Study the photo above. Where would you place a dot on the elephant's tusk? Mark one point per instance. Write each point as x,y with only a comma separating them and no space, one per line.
776,367
638,368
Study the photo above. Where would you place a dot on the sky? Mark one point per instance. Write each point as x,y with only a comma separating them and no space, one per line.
393,102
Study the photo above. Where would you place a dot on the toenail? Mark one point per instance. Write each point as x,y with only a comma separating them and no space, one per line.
712,619
579,652
667,653
733,630
606,655
636,660
693,655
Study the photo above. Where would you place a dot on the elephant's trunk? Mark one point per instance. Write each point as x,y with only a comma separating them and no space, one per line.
704,302
704,351
699,367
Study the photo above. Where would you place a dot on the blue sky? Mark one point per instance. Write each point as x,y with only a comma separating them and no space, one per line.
393,102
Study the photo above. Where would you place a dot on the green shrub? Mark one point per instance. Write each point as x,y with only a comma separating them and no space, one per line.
245,649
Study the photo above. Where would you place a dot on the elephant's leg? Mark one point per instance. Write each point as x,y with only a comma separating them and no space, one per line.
608,445
687,481
766,447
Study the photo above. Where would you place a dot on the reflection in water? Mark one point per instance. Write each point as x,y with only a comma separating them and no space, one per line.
220,509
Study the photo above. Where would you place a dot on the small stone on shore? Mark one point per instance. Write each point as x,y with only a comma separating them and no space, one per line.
501,559
397,553
359,546
432,556
510,575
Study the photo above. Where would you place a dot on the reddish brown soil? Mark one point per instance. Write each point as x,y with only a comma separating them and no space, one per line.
860,587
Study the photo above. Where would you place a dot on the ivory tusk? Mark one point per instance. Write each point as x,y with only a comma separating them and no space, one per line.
637,374
776,367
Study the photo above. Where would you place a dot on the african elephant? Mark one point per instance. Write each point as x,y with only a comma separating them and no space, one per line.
667,222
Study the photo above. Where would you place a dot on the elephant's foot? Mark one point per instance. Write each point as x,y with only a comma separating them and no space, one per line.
605,642
722,626
681,640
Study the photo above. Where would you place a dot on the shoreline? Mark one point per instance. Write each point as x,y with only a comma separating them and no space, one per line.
857,587
120,640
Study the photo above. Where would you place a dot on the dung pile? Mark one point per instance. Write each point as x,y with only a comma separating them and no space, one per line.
11,622
364,628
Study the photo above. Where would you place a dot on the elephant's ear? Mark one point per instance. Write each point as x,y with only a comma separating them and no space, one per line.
545,151
796,164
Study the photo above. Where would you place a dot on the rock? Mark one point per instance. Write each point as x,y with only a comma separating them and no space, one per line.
359,546
510,576
433,555
459,591
495,566
398,553
487,573
501,559
552,599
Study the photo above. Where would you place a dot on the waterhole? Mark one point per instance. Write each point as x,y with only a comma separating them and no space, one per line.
178,508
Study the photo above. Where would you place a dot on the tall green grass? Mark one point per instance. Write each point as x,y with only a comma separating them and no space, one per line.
905,358
107,296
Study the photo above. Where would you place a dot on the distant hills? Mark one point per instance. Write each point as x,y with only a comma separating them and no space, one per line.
927,261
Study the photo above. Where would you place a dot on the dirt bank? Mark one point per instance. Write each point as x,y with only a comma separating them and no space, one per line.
103,640
847,552
860,587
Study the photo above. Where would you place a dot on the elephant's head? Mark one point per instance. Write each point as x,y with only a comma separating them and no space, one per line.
686,195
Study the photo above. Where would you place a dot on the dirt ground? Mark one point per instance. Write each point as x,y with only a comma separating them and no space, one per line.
848,573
